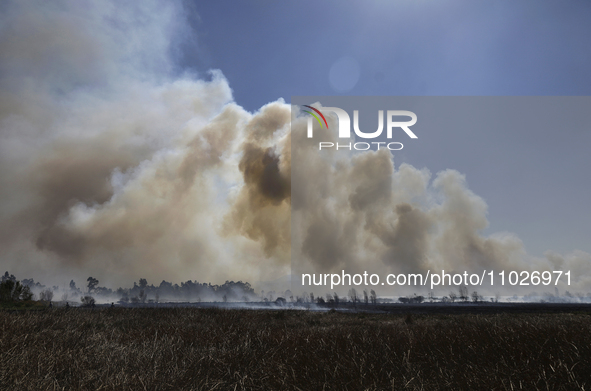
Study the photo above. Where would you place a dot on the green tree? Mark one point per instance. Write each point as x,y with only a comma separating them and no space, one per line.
12,290
26,293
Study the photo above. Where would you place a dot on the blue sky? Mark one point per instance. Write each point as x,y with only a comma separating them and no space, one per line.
278,49
269,50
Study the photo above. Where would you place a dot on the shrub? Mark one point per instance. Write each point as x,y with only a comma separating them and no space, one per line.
87,301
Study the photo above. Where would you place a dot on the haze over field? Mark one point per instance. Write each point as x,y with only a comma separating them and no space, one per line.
117,164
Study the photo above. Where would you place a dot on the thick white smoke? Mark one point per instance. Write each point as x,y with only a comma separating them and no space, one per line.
356,211
114,167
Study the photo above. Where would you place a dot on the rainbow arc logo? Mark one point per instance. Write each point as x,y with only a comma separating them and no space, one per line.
315,116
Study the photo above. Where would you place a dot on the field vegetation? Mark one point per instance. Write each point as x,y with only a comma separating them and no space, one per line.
220,349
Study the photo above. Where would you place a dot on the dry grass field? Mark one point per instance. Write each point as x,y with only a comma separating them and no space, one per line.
216,349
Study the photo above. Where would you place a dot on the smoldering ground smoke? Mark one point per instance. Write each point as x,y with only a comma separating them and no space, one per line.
116,164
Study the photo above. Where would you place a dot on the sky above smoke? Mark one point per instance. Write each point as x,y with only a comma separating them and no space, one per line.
119,162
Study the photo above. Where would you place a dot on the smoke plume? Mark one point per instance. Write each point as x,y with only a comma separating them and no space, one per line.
356,211
116,166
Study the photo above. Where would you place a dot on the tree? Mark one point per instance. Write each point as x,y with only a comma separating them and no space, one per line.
26,293
124,298
373,297
304,298
464,293
92,283
271,295
365,296
46,295
475,297
10,290
280,301
28,282
353,295
6,288
8,277
143,283
17,291
142,296
452,296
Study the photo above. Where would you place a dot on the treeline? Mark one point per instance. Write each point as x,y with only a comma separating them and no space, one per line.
140,292
13,290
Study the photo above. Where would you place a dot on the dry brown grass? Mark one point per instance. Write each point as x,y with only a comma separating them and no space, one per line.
207,349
